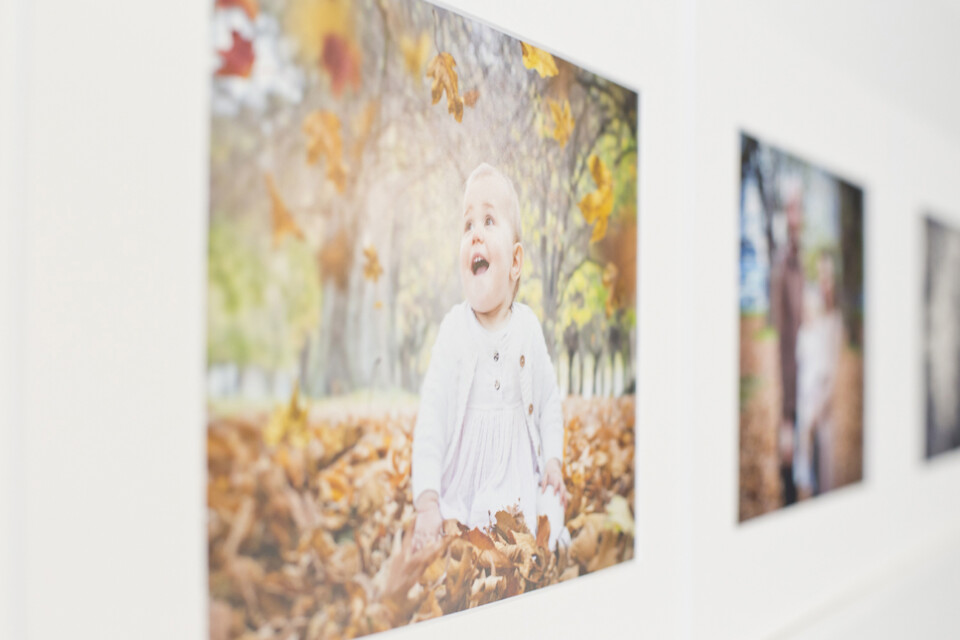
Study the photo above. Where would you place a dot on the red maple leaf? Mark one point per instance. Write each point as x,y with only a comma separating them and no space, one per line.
249,7
238,59
341,61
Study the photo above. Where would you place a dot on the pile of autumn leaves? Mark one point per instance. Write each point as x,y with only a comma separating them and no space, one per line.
310,519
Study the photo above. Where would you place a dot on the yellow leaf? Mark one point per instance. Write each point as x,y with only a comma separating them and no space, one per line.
441,71
288,422
322,129
470,97
415,52
597,205
283,222
335,257
563,119
309,22
619,516
538,60
371,266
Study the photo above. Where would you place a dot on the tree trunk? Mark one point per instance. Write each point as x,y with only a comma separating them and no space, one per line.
596,372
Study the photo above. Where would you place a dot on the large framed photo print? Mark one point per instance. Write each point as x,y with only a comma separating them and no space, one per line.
941,348
801,330
421,321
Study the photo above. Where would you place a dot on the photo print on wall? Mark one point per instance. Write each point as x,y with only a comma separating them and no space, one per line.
941,345
421,342
801,330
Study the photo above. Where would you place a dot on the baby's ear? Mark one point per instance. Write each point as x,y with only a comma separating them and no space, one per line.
517,258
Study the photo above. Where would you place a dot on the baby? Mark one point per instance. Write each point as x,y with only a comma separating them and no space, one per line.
489,433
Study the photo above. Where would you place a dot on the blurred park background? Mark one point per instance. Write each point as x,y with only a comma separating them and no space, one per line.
832,230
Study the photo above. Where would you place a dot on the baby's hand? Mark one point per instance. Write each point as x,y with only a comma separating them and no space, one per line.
429,523
553,477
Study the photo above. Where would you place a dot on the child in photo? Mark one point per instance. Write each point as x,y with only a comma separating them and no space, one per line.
489,432
819,344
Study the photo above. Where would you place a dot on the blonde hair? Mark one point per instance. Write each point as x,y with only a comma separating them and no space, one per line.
513,212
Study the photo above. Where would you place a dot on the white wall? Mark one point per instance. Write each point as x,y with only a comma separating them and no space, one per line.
104,172
780,571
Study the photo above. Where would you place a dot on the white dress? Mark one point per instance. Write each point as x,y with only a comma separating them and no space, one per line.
494,465
819,343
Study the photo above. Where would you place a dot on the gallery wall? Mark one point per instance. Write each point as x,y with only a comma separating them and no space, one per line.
796,563
104,196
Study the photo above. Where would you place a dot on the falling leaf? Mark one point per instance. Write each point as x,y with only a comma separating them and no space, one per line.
250,7
371,266
309,22
238,59
415,52
341,59
441,70
597,205
288,422
378,305
538,60
322,129
334,258
283,222
563,121
470,97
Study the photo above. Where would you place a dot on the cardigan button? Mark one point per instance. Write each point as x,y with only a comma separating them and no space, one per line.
496,356
530,409
522,361
496,385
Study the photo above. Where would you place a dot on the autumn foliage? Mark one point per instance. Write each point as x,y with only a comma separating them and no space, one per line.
238,59
309,515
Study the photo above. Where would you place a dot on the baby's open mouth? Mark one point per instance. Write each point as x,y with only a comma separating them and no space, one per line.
479,265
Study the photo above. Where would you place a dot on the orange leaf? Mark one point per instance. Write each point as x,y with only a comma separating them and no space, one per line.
470,97
563,120
610,275
250,7
415,52
441,70
597,205
479,539
538,60
341,59
543,532
238,59
371,266
619,249
322,129
335,259
283,222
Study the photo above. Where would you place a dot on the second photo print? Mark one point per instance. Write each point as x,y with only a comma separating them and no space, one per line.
801,330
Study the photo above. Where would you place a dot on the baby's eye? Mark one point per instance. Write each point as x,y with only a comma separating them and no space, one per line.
468,226
488,221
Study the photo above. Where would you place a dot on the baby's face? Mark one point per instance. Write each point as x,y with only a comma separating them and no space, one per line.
489,256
